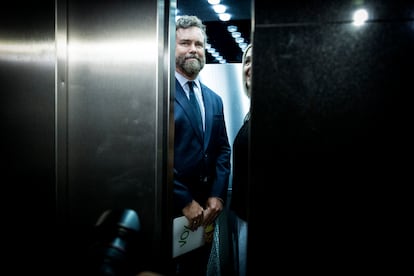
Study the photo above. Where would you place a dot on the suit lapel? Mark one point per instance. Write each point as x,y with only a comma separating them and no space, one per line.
208,115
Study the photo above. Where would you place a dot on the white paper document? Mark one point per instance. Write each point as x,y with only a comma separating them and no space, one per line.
185,240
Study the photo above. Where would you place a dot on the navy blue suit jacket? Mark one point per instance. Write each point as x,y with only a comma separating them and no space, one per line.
201,162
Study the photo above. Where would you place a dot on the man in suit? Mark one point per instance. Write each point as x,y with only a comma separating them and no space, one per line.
201,152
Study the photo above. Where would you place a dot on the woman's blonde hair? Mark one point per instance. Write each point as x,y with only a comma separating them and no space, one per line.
245,52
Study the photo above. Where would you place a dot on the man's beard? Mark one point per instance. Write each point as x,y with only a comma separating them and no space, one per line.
191,67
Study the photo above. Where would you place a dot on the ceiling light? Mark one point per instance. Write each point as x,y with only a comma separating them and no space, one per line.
219,8
231,28
243,46
224,16
211,50
235,34
214,2
239,39
360,16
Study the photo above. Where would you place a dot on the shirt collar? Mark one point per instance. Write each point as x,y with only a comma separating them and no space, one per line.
183,80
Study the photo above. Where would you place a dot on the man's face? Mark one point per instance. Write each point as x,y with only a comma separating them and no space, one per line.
189,51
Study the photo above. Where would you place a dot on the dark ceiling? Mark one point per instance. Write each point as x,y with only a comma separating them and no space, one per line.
217,33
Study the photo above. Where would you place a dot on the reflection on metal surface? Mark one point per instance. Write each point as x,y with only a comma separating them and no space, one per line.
22,51
117,51
86,87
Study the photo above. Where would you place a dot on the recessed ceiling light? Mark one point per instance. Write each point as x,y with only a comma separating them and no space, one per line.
224,16
219,8
214,2
231,28
235,34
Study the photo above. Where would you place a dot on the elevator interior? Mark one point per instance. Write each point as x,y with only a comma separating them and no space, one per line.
86,90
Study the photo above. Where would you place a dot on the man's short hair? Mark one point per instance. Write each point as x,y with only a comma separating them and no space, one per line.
187,21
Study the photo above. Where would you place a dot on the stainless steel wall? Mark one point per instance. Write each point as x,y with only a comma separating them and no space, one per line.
86,89
27,87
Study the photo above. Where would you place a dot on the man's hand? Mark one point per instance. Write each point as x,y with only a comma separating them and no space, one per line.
194,213
213,210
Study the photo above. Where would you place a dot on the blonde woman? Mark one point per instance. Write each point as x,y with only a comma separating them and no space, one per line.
238,203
